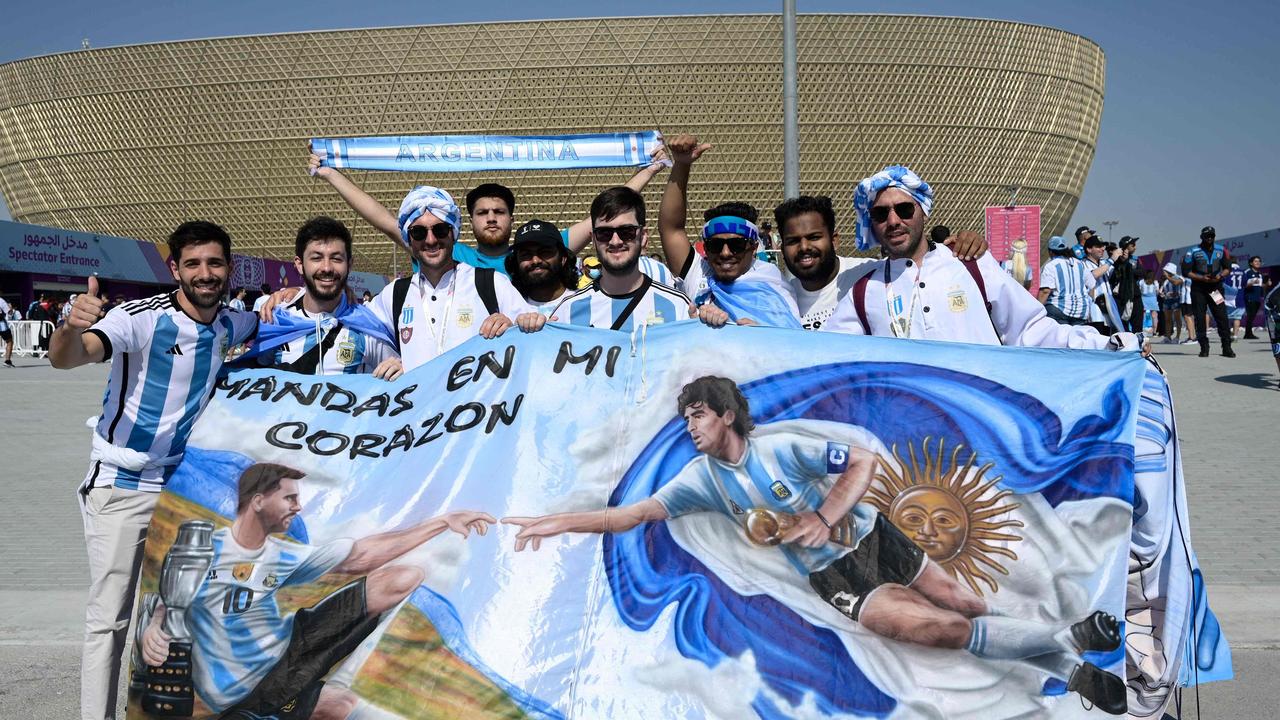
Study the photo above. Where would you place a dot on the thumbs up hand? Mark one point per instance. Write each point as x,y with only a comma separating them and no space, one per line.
87,309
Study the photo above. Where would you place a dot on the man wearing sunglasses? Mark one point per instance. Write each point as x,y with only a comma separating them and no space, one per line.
730,282
540,267
819,277
921,290
490,206
623,298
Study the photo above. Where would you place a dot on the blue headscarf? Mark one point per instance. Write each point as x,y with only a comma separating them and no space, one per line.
427,199
870,188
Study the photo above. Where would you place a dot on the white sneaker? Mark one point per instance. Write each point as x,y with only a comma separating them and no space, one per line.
1188,341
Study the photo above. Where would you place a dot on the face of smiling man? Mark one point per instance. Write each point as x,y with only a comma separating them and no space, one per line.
901,237
809,249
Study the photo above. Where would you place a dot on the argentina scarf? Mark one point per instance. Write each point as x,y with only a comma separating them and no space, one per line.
470,153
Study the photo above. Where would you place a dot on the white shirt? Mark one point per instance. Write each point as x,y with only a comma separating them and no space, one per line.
262,300
817,305
235,622
349,352
942,302
440,317
4,315
694,282
236,304
164,364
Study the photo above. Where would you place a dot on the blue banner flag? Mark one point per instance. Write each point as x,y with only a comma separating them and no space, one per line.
472,153
687,522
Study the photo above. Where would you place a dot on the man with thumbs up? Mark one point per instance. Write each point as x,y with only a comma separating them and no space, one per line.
166,351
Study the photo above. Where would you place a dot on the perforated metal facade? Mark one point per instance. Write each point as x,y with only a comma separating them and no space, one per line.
131,140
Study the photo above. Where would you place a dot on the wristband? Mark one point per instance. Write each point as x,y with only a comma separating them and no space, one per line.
823,519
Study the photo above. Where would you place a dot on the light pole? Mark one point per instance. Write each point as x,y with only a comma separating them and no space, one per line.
790,124
1110,224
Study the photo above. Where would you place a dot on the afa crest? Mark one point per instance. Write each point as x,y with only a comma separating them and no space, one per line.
957,301
270,581
780,490
465,317
346,352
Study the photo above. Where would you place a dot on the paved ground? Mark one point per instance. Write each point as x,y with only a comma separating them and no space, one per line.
1228,410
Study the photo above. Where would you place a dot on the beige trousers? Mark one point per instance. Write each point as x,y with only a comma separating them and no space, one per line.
115,528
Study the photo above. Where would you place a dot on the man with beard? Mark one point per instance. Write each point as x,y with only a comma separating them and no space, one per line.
730,283
540,267
321,333
819,277
166,352
491,207
623,298
921,290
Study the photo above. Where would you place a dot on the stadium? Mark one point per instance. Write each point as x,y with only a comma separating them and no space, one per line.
131,140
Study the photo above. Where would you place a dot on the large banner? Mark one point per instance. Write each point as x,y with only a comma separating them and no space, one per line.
683,522
474,153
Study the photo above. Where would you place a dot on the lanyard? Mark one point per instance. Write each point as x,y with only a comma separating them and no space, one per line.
448,307
899,323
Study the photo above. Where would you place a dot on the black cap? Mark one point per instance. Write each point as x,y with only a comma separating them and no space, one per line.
1094,241
538,232
1126,240
1208,232
1082,230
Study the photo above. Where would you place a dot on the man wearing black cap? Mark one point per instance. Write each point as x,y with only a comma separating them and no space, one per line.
540,266
1208,265
1103,315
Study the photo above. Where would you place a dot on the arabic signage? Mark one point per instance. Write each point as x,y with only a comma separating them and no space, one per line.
72,254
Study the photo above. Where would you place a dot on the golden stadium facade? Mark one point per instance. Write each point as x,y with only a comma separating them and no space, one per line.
132,140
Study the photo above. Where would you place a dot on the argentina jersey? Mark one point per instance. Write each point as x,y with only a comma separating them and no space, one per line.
163,365
657,270
784,471
650,304
332,349
235,622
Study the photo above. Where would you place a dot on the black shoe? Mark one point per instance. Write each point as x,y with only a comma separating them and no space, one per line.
1250,336
1104,690
9,363
1204,352
1227,351
1100,631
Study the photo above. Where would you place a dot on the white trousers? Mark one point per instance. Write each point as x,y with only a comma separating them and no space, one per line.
115,529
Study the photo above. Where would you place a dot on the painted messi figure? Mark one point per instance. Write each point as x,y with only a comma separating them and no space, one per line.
251,660
804,494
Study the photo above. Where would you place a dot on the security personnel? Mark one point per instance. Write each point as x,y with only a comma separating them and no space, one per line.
1207,265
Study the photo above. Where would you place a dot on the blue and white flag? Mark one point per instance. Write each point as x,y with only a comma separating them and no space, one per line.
578,523
473,153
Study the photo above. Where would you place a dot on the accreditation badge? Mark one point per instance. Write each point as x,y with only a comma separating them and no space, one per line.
957,301
465,317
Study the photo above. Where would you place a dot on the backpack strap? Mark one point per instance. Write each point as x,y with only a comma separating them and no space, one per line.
976,274
860,301
485,289
399,291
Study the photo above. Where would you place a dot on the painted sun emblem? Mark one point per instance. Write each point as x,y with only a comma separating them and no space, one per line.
951,511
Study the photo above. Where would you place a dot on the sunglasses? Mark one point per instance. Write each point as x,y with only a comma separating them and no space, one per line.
904,211
442,231
626,233
736,245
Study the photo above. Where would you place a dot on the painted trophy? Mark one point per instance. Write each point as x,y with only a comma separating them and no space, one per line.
167,690
766,527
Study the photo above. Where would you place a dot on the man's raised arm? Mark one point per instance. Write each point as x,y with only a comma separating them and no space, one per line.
70,345
370,553
609,520
362,202
579,233
684,150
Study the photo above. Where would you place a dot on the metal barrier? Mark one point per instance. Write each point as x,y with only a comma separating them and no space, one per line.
26,337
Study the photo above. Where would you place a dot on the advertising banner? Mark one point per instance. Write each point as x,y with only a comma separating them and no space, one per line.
681,522
1013,232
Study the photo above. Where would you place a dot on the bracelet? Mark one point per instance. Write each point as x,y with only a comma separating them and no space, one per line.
823,519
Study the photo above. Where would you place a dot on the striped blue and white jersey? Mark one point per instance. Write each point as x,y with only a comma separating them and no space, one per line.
237,629
1071,282
163,365
344,351
650,304
783,471
657,270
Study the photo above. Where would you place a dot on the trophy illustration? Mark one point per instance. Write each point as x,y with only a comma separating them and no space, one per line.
766,527
167,690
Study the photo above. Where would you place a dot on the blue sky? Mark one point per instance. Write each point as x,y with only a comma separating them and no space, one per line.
1192,97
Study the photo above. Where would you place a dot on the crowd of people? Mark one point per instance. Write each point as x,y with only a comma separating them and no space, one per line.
926,285
1101,284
